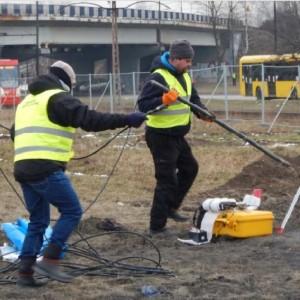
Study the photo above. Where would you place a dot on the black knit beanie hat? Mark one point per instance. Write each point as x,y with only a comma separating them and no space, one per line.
181,49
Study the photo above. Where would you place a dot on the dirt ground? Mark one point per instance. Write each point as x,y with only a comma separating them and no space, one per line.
254,268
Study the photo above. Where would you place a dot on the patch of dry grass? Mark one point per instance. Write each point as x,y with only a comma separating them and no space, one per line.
128,195
201,273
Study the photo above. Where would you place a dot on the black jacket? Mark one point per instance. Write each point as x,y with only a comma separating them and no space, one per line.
151,96
65,110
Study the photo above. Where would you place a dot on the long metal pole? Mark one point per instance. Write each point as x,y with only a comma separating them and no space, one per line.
227,127
111,92
37,47
225,92
115,53
262,93
246,29
181,10
289,212
275,27
158,29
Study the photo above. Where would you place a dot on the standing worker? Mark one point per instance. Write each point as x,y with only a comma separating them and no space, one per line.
175,166
43,134
233,75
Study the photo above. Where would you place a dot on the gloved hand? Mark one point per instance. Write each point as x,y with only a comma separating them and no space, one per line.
170,97
205,117
136,119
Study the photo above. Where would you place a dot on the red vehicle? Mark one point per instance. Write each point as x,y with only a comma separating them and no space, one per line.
9,82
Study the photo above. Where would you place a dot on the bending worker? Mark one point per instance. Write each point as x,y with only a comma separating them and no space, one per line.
43,134
175,165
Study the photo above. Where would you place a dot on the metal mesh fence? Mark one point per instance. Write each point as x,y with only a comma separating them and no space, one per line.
265,94
93,90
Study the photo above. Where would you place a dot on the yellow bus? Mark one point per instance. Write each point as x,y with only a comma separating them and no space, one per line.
271,76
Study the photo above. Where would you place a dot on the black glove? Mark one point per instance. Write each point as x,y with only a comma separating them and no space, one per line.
205,117
136,119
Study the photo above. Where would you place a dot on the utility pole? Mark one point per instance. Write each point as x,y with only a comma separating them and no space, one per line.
231,31
116,80
161,47
275,27
158,33
246,29
181,10
37,47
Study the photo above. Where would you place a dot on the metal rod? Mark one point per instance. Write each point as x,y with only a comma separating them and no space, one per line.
227,127
281,107
275,27
262,93
37,42
225,92
289,212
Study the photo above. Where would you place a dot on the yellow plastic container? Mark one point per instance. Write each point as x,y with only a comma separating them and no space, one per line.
243,223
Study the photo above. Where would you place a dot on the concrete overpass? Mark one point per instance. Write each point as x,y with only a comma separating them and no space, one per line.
82,35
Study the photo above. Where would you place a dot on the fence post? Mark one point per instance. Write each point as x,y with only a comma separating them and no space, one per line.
263,94
90,91
225,92
133,88
192,74
111,92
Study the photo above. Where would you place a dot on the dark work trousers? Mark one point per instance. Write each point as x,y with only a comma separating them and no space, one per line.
175,171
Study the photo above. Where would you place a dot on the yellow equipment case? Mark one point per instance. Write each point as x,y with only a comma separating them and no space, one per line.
244,223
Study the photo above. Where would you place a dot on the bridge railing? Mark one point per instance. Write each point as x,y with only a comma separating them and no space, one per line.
87,12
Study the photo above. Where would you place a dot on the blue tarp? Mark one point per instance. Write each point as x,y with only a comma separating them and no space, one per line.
16,232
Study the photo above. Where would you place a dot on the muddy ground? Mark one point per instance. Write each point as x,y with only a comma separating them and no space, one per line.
254,268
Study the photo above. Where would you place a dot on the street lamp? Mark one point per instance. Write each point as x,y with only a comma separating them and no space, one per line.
247,9
116,82
275,27
116,85
37,47
160,46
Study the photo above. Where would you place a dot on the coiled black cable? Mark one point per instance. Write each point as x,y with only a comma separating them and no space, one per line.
98,266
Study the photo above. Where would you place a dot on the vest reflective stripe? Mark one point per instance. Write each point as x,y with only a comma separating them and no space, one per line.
37,129
38,148
167,112
187,98
36,137
178,113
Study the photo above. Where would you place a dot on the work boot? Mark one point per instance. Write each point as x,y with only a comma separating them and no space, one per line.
173,214
52,269
27,280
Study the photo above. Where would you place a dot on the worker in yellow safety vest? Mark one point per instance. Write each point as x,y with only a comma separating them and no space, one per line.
43,134
175,166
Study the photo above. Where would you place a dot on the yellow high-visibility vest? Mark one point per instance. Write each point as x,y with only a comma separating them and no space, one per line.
176,114
36,137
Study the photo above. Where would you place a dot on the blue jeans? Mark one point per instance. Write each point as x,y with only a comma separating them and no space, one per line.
57,190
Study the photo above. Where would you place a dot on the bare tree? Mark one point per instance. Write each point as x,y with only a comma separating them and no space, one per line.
220,12
232,18
215,11
288,26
